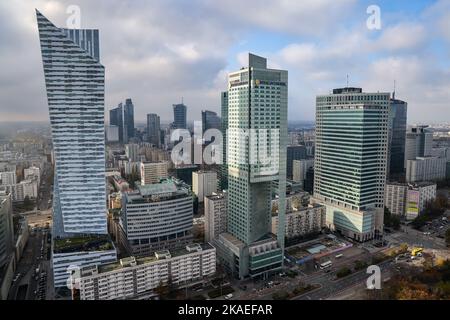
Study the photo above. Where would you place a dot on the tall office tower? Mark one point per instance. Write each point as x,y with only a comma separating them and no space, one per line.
351,159
257,108
179,116
204,183
419,143
154,129
210,120
153,172
397,138
294,153
116,119
224,128
128,118
75,80
132,152
6,228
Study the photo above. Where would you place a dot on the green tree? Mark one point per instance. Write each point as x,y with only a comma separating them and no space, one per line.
27,203
343,272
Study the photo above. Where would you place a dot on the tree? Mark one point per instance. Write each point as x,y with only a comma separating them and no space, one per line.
343,272
27,203
162,290
390,220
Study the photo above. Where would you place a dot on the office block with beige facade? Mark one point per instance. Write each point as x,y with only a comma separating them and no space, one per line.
153,172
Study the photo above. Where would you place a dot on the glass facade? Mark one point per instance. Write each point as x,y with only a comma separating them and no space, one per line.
397,137
74,79
351,156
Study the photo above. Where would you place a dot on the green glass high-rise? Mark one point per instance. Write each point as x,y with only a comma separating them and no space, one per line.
351,160
256,156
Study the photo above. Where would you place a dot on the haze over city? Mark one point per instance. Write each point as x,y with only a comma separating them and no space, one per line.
160,52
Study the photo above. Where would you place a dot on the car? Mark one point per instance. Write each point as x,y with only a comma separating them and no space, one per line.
229,296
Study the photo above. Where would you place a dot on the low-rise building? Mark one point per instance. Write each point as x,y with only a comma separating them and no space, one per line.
72,254
417,198
426,169
120,183
300,220
153,172
395,197
134,278
32,173
409,199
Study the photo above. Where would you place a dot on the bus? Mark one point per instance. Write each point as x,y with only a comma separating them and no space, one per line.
340,255
325,265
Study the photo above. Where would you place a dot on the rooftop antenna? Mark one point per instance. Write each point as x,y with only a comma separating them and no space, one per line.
393,96
347,81
182,100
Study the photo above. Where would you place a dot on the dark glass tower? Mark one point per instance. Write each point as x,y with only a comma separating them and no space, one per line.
179,116
397,138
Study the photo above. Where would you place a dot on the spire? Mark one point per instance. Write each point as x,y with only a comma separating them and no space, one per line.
393,95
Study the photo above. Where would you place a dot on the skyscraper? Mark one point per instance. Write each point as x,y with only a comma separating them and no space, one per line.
351,159
128,118
6,228
419,143
224,127
179,116
210,120
397,137
116,119
257,106
75,80
154,129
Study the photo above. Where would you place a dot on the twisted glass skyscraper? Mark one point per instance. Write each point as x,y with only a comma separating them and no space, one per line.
74,79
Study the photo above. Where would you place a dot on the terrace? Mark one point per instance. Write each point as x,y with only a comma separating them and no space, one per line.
83,243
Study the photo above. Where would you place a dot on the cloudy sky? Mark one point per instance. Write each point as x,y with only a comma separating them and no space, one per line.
158,52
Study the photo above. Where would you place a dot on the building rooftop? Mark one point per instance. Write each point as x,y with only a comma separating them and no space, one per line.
347,90
83,243
217,196
159,255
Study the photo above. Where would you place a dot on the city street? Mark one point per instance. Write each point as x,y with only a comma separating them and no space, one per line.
415,238
25,286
